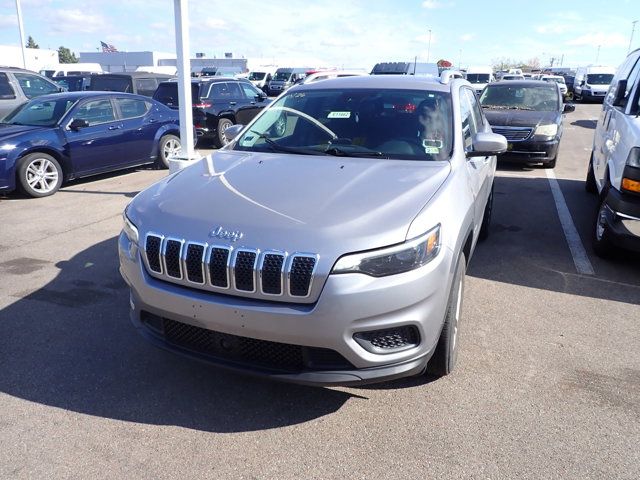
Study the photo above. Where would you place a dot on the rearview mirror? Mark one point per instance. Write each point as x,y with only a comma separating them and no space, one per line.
77,124
568,107
621,92
487,144
233,131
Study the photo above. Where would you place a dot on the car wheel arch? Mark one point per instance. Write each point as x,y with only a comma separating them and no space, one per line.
63,160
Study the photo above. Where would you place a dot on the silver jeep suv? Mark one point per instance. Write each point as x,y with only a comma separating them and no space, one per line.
328,242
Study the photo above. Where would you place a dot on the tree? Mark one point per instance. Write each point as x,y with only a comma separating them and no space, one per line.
31,43
66,56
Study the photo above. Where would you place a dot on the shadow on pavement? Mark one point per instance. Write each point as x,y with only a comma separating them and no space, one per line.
70,345
527,246
585,123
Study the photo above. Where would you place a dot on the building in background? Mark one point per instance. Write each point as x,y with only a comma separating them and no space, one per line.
37,58
127,61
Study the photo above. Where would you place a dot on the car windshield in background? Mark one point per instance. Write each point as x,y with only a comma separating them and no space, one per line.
282,76
478,77
256,75
71,84
39,113
397,124
555,80
111,84
541,98
599,78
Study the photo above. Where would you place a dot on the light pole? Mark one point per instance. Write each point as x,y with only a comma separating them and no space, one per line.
633,29
22,43
598,54
429,46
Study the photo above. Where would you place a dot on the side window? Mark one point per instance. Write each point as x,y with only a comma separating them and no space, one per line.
224,91
249,90
33,86
468,123
146,86
633,79
476,111
6,90
234,90
623,72
95,112
132,107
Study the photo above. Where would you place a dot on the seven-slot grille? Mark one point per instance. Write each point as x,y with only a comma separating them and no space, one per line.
271,273
513,134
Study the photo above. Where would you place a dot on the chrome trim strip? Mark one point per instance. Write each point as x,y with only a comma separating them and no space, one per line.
146,259
255,262
229,250
185,252
282,254
164,257
313,271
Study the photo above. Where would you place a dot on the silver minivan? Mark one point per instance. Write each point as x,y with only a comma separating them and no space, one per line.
17,86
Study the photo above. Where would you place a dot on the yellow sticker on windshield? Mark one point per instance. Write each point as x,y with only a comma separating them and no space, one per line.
339,115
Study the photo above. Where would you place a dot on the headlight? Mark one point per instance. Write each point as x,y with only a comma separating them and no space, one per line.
633,160
130,229
547,130
392,260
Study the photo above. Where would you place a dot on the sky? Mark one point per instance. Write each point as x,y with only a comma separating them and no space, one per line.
342,33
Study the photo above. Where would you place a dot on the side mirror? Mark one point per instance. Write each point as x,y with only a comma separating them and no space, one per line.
568,107
581,82
77,124
233,131
261,97
621,91
487,144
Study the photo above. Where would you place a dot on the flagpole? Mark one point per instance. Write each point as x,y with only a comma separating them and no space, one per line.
21,28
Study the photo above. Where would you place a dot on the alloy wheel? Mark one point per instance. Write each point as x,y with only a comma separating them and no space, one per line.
42,175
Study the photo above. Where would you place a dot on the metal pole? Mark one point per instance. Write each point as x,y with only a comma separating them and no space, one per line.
598,54
633,29
429,47
181,12
22,42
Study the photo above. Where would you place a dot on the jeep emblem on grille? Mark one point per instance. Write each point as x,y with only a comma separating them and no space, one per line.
220,232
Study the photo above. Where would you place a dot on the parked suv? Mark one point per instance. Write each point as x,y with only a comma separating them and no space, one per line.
218,103
17,86
328,243
140,83
614,167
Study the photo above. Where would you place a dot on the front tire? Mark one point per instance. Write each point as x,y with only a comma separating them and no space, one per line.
39,175
590,183
168,147
444,358
601,243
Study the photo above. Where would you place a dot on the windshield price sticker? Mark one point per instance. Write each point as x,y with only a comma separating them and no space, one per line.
339,115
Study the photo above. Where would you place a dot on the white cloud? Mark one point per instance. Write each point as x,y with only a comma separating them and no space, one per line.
8,21
467,36
77,21
431,4
555,28
216,23
600,38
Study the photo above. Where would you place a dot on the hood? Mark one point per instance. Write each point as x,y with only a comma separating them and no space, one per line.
298,203
7,132
520,118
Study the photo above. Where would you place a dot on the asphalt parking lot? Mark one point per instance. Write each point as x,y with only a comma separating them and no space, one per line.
547,383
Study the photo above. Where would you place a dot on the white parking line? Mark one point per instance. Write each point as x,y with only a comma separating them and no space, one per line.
579,254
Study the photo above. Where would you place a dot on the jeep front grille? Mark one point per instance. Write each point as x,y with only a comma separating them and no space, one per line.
227,270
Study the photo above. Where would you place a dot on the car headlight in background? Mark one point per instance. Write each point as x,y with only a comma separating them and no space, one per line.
547,130
401,258
130,229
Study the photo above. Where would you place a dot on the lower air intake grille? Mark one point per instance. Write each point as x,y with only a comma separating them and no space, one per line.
248,351
388,340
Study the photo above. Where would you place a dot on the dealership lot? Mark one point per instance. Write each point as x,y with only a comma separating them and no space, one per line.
547,384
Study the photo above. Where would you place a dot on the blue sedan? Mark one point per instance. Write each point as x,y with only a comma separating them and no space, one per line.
60,137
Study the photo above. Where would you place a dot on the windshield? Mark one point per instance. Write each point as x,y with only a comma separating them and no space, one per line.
478,77
396,124
599,78
540,98
39,113
256,75
282,76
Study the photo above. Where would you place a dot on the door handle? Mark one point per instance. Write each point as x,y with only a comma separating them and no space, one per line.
115,127
152,120
232,103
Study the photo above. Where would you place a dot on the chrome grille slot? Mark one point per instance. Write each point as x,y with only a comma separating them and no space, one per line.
513,134
271,271
193,262
301,274
172,253
218,264
244,270
152,248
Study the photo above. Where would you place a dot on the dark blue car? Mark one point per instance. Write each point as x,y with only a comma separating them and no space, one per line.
60,137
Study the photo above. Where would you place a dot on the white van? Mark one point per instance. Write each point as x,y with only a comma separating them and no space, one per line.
614,168
64,69
261,76
479,77
592,82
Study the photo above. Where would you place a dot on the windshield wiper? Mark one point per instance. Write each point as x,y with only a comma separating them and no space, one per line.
520,108
352,151
497,107
276,147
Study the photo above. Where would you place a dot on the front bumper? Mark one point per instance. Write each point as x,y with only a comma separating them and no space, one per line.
593,95
530,151
623,219
348,304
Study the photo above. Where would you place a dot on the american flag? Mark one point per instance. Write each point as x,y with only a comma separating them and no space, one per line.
108,48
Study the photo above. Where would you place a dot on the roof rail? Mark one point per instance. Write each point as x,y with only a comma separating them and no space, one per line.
447,75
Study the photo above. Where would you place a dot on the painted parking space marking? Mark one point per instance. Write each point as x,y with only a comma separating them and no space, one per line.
579,254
